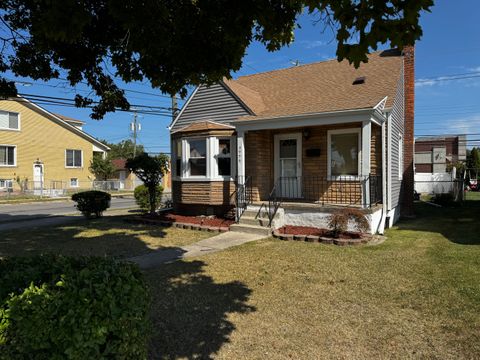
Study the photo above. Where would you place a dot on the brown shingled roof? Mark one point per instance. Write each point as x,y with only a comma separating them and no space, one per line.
320,87
69,119
203,126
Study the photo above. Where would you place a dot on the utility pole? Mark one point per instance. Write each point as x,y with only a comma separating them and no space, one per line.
135,127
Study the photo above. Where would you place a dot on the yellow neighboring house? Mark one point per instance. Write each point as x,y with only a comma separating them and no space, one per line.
43,149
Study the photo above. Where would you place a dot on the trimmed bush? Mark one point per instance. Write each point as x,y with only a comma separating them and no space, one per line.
92,203
142,197
338,221
55,307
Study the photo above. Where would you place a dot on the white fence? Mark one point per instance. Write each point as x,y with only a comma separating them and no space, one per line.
436,183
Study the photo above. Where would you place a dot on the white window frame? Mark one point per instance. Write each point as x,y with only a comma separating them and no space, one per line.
14,155
6,183
357,131
74,167
19,121
212,151
400,156
186,173
217,155
77,183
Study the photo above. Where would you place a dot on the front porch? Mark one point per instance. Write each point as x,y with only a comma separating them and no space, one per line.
324,165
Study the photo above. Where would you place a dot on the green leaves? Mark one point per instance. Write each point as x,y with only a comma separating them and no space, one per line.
176,44
92,203
99,311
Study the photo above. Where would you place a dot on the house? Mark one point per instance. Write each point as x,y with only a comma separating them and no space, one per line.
295,144
43,150
434,157
126,180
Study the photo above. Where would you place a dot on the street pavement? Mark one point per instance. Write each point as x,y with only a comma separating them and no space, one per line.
14,216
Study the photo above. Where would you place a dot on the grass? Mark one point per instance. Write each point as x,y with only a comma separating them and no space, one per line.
417,295
108,236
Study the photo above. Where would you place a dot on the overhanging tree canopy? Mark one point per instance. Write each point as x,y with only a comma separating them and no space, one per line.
174,44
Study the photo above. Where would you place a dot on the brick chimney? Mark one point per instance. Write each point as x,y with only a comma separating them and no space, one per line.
408,136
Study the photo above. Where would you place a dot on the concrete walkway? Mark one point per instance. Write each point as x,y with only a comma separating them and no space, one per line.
211,245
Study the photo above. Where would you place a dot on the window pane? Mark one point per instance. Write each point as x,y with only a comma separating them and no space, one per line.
344,154
3,155
224,166
13,121
288,148
69,158
4,119
224,147
178,157
198,167
78,158
198,148
10,155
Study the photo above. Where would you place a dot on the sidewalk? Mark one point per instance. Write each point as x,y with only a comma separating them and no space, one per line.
211,245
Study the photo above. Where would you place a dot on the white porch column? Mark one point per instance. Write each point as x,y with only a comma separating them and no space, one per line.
366,156
241,156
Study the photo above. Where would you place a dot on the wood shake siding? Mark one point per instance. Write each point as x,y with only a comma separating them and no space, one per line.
213,103
43,139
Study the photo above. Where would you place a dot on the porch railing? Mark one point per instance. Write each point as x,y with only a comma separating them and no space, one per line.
363,191
243,195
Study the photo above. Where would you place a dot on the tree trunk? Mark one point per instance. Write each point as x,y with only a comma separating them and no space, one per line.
153,195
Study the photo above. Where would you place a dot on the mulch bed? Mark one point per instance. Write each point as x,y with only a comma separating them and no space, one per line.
204,223
312,234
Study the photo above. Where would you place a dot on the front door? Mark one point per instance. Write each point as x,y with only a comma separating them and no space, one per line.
38,176
288,165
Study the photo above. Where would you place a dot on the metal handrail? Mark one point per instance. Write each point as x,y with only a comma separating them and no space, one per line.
243,195
273,204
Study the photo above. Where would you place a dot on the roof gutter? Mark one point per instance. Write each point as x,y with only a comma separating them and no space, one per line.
311,119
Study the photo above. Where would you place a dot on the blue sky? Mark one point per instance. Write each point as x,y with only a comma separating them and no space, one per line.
450,46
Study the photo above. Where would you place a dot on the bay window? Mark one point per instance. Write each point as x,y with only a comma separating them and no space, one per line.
204,158
343,152
197,160
224,157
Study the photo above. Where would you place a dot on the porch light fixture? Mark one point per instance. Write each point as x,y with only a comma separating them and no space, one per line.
306,134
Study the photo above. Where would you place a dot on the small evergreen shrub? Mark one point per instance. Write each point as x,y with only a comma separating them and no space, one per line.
92,203
338,221
55,307
142,197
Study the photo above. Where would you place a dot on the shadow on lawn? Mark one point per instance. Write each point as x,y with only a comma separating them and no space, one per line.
190,311
458,224
107,236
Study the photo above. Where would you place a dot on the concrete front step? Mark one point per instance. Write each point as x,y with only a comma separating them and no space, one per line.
251,229
251,220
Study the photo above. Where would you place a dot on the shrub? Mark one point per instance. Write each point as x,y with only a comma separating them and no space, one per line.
338,221
445,199
55,307
142,197
92,203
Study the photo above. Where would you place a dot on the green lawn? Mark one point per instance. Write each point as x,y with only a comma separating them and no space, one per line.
417,295
107,236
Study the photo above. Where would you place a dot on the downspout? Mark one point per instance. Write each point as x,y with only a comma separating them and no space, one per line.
381,229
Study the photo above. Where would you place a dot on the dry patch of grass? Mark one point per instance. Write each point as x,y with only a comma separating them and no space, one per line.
415,296
108,236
